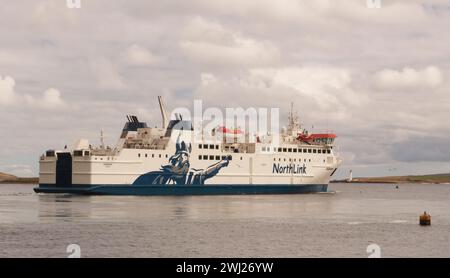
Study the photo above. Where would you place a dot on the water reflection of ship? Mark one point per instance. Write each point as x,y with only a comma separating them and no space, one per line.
64,207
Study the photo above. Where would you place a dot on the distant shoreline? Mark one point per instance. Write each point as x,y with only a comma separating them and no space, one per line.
419,179
32,181
21,181
11,179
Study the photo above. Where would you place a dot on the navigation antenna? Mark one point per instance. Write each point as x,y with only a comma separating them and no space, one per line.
294,124
102,139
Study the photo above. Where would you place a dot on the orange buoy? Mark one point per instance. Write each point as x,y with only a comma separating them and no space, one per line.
425,219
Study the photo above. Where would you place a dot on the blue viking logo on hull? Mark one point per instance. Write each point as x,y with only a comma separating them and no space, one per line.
179,170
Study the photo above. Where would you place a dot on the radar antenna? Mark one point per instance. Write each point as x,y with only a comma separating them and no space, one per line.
102,139
294,123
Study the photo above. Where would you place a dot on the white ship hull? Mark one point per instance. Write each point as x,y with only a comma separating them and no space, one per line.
174,165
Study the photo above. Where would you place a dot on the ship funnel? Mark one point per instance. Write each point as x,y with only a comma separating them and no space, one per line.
163,111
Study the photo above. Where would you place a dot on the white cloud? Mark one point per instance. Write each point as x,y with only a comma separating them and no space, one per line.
325,87
50,100
20,170
107,74
408,78
48,12
252,53
7,94
326,84
317,12
210,43
137,55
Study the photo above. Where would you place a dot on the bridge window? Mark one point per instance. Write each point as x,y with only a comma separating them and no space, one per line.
284,150
211,157
217,147
230,157
205,157
139,155
217,157
205,146
295,150
199,157
200,146
314,151
289,150
309,150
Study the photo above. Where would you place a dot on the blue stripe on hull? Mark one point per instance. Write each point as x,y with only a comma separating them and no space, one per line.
159,190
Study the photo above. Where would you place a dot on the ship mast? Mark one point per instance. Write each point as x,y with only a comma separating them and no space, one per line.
102,139
294,124
163,112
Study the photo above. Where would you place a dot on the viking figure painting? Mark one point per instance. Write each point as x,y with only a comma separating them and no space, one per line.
179,170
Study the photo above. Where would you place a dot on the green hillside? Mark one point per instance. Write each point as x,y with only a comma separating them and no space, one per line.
437,178
7,178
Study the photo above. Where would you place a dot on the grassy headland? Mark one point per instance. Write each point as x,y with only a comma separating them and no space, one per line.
437,178
7,178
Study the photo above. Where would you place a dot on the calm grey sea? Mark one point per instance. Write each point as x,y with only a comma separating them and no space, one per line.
337,224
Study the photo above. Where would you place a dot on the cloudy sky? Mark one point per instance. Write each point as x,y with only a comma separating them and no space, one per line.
379,78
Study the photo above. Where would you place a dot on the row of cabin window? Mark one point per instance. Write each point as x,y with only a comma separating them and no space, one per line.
293,159
206,146
295,150
153,155
215,157
101,158
200,157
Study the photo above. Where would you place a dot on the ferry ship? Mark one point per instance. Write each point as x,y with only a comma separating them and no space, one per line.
165,161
